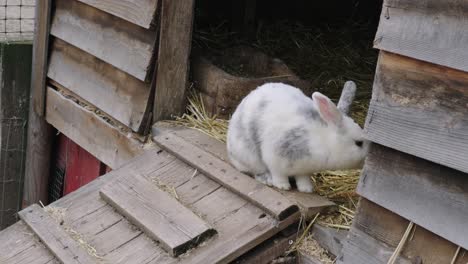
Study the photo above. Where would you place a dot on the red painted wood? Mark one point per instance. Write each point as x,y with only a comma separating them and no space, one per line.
79,165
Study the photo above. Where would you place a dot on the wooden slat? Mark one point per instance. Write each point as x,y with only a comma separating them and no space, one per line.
376,225
173,64
261,195
303,258
238,239
40,51
270,249
309,204
427,30
139,12
167,221
360,248
222,209
20,246
102,140
420,108
117,42
54,237
428,194
329,238
116,93
39,138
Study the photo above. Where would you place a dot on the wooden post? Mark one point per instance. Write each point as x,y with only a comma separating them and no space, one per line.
15,68
173,64
40,134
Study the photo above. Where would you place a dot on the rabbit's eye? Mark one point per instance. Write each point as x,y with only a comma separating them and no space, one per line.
358,143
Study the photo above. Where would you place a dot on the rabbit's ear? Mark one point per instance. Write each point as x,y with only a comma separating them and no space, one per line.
327,109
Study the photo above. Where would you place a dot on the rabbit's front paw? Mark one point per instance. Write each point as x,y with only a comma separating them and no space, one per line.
305,188
264,178
282,184
304,184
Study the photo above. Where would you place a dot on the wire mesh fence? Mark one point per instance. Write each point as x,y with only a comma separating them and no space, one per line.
17,19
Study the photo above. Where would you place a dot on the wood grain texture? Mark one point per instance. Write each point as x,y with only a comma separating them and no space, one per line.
309,204
360,248
168,222
269,250
261,195
241,225
40,53
386,227
116,93
39,138
329,238
54,237
38,152
139,12
19,245
418,190
303,258
173,63
102,140
420,109
126,46
428,30
224,210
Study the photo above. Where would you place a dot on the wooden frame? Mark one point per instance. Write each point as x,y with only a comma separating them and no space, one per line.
40,134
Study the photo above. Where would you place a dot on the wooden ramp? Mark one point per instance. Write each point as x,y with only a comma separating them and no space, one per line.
179,202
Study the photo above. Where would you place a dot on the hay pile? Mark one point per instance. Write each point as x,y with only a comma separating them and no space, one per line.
198,118
327,55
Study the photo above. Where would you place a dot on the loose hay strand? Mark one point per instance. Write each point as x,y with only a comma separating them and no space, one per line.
455,256
301,238
403,240
58,213
198,118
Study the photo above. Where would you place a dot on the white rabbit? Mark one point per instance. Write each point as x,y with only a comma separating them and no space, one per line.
277,132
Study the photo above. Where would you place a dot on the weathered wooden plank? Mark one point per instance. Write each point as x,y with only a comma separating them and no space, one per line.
428,30
360,248
107,241
387,228
303,258
55,239
126,46
329,238
238,236
40,53
141,13
39,138
224,210
268,250
102,140
168,222
37,164
173,65
418,190
116,93
420,108
255,192
139,250
20,245
309,204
